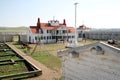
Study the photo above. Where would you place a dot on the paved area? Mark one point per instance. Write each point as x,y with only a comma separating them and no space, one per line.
92,67
47,74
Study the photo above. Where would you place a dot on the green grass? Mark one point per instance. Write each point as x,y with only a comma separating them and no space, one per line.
45,55
19,46
47,59
9,57
3,47
7,69
13,69
7,52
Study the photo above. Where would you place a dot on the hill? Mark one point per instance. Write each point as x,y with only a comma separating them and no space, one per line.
14,29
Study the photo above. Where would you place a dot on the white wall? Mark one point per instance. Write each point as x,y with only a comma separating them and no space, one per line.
23,38
103,34
6,38
45,34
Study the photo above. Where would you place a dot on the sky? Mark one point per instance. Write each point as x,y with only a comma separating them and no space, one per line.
92,13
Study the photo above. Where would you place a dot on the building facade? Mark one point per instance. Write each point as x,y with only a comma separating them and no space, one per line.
4,37
98,34
81,32
103,34
50,32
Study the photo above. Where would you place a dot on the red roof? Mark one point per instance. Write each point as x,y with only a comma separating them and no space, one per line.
83,27
33,29
47,26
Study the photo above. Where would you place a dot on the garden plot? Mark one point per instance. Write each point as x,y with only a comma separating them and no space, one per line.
13,66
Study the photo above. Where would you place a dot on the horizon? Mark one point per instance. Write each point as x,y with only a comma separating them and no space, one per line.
94,13
77,27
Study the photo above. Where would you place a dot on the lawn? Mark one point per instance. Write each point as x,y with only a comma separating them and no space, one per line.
48,60
19,67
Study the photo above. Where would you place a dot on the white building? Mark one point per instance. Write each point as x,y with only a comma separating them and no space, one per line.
98,34
4,37
81,31
103,34
50,32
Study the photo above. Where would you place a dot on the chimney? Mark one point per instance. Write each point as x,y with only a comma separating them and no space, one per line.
38,23
64,22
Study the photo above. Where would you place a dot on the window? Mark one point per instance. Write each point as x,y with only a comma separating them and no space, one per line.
64,37
69,36
64,31
60,37
44,37
47,31
72,36
50,31
35,38
50,37
57,31
53,37
41,37
79,35
47,37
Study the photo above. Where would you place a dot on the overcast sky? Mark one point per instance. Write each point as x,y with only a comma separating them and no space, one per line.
92,13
